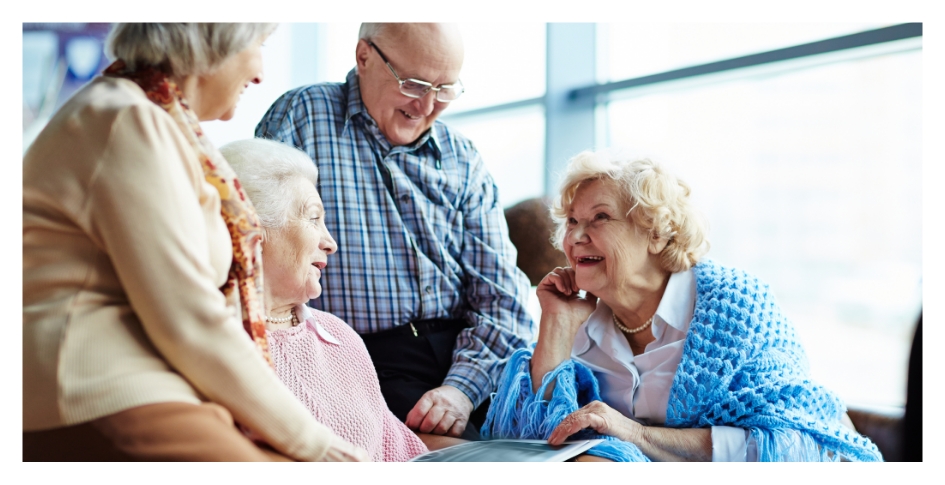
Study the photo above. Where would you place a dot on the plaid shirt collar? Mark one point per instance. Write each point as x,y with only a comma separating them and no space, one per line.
356,109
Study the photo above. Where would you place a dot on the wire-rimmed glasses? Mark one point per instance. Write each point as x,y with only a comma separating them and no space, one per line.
415,88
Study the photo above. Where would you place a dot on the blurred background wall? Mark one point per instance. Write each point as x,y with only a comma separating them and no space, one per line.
802,144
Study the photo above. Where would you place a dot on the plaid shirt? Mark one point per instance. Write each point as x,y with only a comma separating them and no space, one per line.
434,244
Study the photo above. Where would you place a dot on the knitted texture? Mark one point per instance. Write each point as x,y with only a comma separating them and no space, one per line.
742,366
338,385
518,413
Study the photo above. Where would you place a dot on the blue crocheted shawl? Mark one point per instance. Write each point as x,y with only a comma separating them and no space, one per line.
742,366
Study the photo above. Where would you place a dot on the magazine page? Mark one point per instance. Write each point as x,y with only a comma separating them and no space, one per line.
509,450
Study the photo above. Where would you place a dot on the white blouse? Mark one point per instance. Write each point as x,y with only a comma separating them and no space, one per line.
638,386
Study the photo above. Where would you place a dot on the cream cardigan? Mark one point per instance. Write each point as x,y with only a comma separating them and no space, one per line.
124,250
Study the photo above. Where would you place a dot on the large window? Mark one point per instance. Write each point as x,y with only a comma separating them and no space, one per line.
511,145
58,59
336,53
503,63
629,50
811,180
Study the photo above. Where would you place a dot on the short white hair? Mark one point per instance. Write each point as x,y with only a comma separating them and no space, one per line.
654,199
181,49
266,169
370,31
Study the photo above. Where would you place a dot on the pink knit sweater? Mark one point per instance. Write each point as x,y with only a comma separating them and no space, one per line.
325,364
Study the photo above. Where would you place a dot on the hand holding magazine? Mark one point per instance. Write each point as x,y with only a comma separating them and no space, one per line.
509,450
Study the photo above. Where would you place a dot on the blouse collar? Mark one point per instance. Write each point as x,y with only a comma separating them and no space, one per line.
304,313
677,304
675,309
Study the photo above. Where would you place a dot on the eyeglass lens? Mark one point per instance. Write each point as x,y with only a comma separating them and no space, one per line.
416,90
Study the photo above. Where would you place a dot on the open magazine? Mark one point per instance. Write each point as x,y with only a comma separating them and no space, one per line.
509,450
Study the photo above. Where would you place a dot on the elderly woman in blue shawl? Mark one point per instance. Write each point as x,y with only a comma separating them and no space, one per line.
668,356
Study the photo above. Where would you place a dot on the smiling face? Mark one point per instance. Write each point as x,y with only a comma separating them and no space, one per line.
294,256
220,89
428,52
607,251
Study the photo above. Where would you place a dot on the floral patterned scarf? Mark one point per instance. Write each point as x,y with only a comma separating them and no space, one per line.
243,287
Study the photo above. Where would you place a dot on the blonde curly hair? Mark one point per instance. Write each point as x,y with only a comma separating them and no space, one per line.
655,200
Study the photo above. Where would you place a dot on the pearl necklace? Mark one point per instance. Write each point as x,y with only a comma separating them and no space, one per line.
290,318
624,329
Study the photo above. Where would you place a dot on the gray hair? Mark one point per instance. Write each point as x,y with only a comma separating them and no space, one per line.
181,49
370,31
266,170
656,201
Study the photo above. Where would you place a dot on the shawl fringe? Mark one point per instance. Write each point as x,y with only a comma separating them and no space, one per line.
519,413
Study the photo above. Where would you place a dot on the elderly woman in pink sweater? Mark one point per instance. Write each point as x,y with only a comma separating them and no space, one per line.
316,355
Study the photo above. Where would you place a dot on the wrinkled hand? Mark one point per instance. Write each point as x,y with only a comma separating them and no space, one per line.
558,295
600,417
444,410
341,450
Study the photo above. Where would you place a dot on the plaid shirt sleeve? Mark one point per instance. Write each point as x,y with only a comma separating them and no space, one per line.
496,291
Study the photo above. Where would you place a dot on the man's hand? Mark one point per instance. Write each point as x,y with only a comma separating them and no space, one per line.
444,410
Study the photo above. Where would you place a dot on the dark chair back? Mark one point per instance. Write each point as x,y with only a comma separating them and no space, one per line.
530,228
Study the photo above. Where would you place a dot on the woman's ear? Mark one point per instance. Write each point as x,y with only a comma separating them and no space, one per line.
266,235
657,243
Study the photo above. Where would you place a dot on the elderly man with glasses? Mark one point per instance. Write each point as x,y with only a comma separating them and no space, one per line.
425,270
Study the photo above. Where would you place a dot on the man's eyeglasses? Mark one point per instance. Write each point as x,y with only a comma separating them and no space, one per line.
415,88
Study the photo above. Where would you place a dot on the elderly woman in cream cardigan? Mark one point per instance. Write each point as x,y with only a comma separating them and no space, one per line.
140,267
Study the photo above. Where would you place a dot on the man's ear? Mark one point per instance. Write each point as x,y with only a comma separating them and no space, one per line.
361,53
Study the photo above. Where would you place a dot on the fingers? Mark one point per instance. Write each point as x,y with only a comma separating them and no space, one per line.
563,280
570,282
444,410
576,421
457,429
564,429
572,279
551,280
445,422
432,420
561,285
419,412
